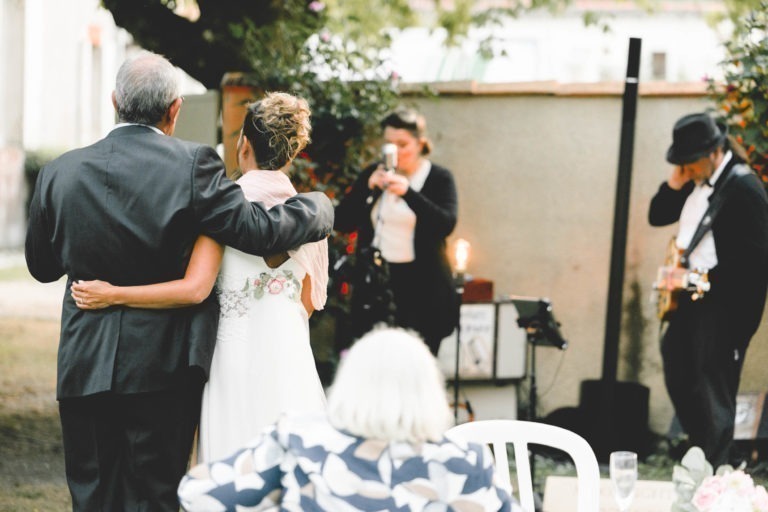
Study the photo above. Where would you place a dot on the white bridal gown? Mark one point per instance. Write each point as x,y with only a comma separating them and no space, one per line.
262,364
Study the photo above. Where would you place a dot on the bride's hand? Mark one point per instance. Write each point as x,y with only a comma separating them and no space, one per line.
92,294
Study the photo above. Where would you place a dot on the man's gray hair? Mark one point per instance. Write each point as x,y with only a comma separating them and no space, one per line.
146,86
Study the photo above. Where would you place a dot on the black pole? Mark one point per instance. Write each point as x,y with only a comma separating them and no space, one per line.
621,214
532,378
532,392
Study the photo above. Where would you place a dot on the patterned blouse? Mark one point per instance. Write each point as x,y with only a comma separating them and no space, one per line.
305,464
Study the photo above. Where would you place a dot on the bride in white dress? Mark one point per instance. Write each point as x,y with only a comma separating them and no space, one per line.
262,346
262,365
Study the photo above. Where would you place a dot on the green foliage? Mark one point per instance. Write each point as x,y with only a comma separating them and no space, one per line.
687,477
742,100
345,83
456,20
365,21
735,10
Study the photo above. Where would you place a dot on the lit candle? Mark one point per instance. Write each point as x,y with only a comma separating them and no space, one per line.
462,255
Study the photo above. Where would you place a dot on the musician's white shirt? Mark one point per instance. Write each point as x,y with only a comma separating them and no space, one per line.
704,255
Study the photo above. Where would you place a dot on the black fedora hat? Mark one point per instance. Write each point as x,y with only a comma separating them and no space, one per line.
694,136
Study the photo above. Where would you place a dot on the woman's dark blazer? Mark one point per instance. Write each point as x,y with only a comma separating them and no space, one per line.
436,207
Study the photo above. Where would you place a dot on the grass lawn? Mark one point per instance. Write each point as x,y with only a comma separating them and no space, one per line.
31,458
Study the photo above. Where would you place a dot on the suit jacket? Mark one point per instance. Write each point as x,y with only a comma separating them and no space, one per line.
436,207
127,210
740,231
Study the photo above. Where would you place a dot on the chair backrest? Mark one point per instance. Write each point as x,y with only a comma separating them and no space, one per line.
498,433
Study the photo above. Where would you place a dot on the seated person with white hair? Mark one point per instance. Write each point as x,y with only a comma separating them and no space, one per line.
380,446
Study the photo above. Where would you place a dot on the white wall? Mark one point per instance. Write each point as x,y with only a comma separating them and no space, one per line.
72,53
11,69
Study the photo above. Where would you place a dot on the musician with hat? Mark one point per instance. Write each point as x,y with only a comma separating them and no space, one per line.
721,209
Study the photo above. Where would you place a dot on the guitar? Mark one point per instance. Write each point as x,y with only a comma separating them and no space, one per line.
673,279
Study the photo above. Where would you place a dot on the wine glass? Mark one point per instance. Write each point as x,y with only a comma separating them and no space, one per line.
623,477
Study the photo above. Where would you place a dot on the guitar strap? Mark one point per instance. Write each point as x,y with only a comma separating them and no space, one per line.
716,202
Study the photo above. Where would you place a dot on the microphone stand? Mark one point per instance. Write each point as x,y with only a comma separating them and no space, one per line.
460,292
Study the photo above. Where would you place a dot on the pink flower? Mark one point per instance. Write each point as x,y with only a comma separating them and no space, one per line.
727,490
734,490
275,285
257,282
316,6
707,494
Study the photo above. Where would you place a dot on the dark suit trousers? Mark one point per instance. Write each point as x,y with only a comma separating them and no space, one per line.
128,452
702,371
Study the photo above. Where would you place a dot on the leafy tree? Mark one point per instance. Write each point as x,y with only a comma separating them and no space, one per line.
742,98
205,48
737,10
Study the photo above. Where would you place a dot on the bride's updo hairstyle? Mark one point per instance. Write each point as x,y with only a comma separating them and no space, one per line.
389,387
277,127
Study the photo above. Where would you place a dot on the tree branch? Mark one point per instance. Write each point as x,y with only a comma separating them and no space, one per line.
206,48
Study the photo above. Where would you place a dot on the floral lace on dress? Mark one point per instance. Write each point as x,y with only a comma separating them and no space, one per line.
236,302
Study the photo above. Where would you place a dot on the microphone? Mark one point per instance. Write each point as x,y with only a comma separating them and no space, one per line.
389,155
389,161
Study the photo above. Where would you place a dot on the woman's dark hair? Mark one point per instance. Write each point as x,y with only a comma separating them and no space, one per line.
409,119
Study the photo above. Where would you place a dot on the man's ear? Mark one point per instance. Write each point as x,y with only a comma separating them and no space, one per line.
168,126
244,147
114,101
174,109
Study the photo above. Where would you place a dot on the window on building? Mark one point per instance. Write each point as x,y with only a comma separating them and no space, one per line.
659,66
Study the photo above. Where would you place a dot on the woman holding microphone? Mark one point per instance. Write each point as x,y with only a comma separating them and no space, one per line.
406,211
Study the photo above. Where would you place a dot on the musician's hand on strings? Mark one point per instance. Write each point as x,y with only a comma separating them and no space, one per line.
679,177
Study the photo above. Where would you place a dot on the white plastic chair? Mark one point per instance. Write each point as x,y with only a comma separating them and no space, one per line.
498,433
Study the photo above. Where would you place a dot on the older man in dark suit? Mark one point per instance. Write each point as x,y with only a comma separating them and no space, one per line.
722,210
128,209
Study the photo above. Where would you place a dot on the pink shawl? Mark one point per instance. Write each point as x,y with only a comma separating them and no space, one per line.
274,187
